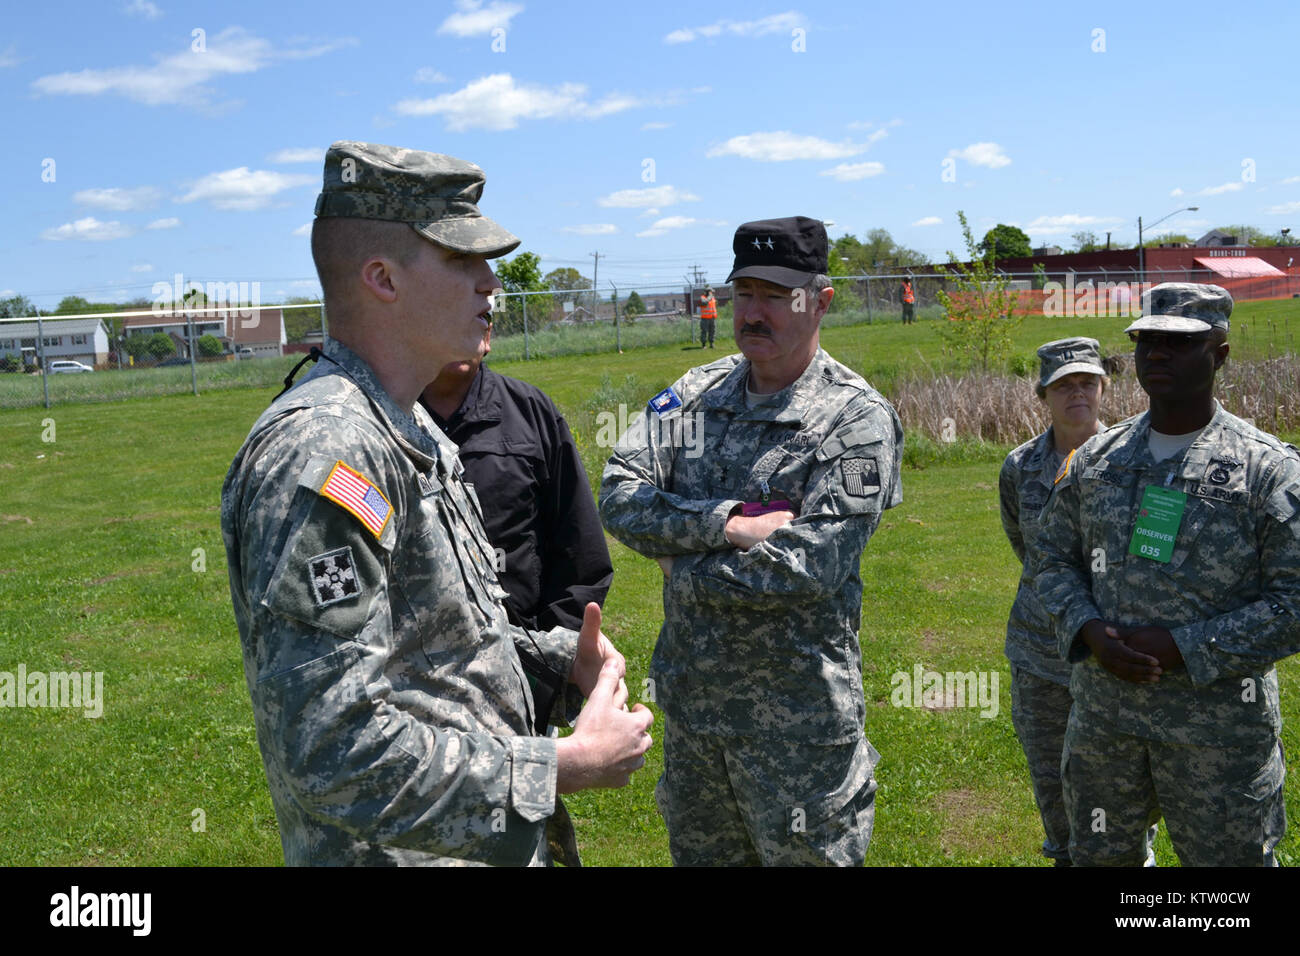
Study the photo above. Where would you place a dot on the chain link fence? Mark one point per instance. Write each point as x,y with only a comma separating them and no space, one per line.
49,359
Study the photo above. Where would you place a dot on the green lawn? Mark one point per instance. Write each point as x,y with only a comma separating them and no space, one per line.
111,560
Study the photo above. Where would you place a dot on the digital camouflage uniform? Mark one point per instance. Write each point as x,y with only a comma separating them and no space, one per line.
1201,746
1040,680
757,666
392,711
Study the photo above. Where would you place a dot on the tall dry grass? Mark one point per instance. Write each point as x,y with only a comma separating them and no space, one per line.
1004,409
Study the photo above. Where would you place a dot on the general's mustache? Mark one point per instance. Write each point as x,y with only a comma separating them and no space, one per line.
755,330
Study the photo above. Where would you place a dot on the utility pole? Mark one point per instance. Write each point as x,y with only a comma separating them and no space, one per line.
595,296
699,278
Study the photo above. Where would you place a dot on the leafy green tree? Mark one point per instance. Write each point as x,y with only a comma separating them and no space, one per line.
209,346
876,252
10,363
566,278
161,346
16,306
634,305
981,317
1249,235
1086,241
1004,242
298,322
1173,237
522,274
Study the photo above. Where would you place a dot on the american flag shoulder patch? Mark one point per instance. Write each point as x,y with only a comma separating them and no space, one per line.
861,476
354,492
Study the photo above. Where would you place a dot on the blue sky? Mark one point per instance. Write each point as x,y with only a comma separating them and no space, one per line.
153,138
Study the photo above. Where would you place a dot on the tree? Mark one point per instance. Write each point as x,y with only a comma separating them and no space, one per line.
566,278
981,316
876,252
1248,235
16,306
521,274
298,322
1005,242
1174,238
1086,241
634,305
209,346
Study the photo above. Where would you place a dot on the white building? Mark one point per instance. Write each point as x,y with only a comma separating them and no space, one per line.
82,340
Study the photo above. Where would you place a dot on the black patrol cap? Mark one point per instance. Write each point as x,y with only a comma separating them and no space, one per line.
787,252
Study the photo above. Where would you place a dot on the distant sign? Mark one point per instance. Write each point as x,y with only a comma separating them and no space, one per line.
568,305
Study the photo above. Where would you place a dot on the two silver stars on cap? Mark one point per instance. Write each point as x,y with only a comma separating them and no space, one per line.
758,243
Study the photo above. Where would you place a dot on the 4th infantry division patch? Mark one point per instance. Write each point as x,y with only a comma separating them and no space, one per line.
355,492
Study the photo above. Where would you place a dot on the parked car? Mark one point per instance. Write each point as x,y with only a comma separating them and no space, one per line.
174,360
243,352
67,366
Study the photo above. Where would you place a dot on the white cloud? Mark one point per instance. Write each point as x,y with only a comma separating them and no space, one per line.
294,154
982,154
1176,192
654,124
1285,209
1060,225
143,267
1219,190
5,293
118,199
142,8
651,213
776,23
850,172
244,189
661,226
592,229
1291,180
89,229
474,19
179,79
782,145
171,222
651,196
427,74
497,102
9,56
303,230
929,221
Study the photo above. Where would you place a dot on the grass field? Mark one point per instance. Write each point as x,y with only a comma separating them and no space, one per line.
111,561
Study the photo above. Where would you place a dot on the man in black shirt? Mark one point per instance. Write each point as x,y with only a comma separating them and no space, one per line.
537,505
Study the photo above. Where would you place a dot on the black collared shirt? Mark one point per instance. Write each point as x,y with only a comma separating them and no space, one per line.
537,503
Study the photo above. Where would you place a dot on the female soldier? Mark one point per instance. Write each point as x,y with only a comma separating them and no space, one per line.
1071,381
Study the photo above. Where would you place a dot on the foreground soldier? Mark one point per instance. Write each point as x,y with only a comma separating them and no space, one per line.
392,712
1169,556
759,525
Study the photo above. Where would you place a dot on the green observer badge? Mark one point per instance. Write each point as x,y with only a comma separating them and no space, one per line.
1157,524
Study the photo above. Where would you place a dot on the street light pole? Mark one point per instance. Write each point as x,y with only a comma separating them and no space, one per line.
1142,253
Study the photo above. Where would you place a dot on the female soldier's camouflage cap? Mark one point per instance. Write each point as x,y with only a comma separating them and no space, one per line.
1067,356
438,195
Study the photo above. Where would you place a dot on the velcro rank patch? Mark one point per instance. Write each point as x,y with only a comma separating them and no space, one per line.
861,476
333,576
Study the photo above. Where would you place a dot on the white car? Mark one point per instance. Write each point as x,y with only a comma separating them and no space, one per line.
68,366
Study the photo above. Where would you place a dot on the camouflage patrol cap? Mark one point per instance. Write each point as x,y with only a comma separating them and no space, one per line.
436,194
1067,356
1184,307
